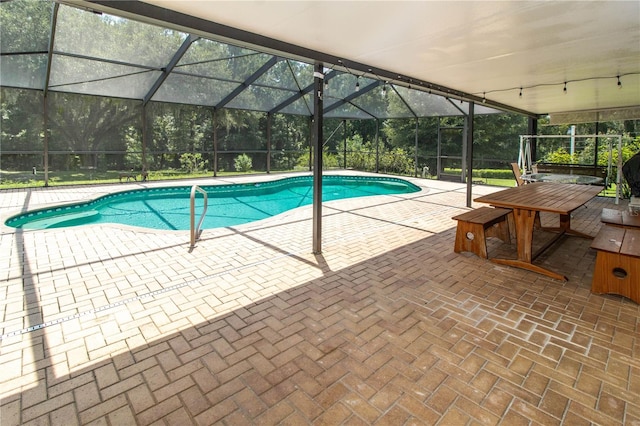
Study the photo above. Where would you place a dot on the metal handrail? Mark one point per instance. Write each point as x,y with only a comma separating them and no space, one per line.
195,232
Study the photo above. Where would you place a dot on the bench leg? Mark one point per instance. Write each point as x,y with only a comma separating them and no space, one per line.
499,230
617,274
471,237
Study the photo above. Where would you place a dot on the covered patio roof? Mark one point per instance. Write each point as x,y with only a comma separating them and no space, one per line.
535,57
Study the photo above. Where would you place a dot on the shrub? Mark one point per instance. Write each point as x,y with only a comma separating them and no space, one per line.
560,156
243,163
192,162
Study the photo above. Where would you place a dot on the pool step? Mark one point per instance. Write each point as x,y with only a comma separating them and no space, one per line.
60,221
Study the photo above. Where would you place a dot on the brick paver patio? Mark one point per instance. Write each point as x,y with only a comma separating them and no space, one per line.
114,325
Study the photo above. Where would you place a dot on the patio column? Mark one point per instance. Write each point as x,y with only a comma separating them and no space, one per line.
469,153
318,83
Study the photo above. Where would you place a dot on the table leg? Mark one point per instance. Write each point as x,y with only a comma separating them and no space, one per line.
524,223
565,227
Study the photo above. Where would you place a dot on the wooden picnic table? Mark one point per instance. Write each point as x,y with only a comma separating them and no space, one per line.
527,201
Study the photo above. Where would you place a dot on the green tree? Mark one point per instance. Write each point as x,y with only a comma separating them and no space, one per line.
90,126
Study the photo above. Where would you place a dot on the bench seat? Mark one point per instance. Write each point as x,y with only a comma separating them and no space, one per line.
623,218
476,225
617,268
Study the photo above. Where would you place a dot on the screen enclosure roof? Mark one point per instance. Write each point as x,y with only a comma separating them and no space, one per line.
522,54
57,47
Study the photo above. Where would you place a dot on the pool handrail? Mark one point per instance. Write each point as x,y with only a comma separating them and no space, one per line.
195,232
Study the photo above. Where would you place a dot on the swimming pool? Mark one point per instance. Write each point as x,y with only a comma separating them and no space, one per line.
228,205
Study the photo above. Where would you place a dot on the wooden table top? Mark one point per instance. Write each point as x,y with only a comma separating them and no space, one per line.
543,196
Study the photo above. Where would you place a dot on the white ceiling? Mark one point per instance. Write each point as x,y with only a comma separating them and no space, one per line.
478,47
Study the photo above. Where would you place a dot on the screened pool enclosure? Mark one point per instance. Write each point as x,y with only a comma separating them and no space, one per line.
90,94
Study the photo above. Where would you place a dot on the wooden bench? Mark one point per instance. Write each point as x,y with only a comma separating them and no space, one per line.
476,225
617,267
623,218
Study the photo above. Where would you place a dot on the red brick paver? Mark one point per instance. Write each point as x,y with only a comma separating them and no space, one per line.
114,325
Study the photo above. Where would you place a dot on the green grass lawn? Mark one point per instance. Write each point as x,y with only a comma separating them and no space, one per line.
23,179
11,180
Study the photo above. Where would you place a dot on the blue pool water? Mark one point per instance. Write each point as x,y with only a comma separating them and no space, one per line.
228,205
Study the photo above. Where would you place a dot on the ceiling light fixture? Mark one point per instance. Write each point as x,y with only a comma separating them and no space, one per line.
521,92
619,83
350,73
565,88
484,98
326,73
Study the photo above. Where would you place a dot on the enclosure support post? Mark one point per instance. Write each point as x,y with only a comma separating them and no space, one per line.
469,153
532,129
619,172
464,177
145,137
377,145
310,143
318,82
344,151
45,111
215,143
415,168
45,97
269,117
438,153
595,157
